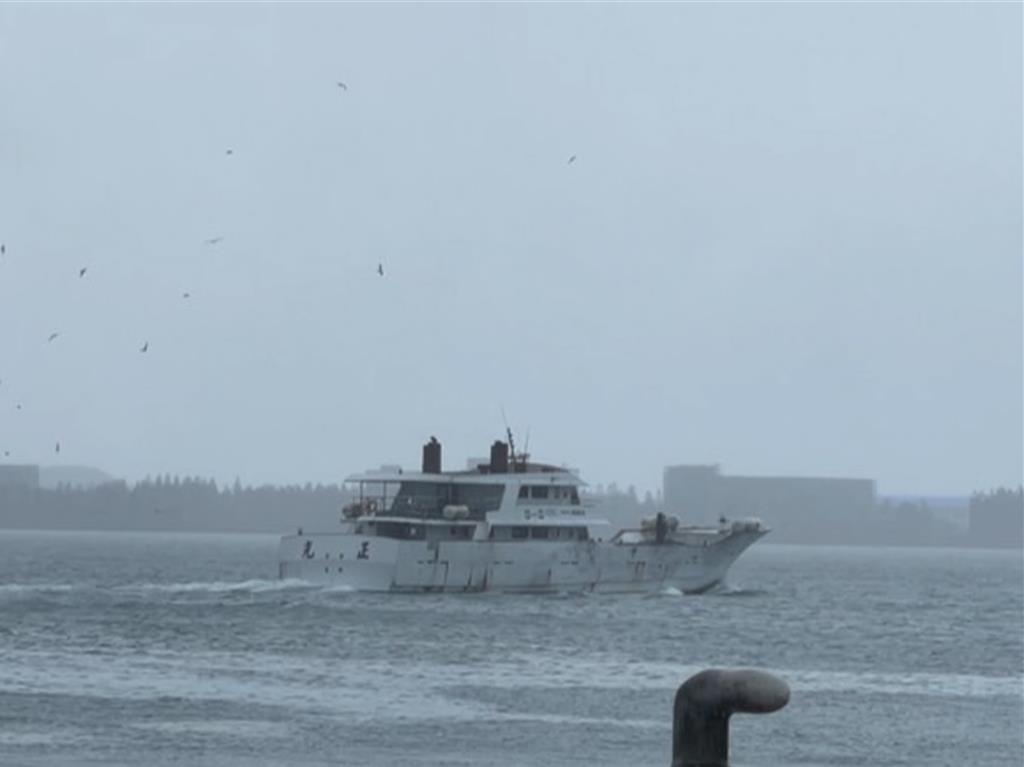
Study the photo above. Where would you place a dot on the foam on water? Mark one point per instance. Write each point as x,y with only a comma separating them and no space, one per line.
18,589
255,586
235,727
669,591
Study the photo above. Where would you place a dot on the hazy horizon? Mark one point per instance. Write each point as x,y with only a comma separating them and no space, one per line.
790,242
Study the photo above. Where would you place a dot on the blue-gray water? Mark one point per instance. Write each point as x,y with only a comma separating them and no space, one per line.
156,649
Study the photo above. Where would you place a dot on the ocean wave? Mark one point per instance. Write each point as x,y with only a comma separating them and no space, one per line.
35,588
667,591
531,670
737,591
259,677
335,588
255,586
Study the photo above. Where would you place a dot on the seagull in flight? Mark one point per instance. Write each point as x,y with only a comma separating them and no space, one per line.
342,85
82,271
214,240
53,337
186,294
230,152
3,249
380,269
571,160
145,347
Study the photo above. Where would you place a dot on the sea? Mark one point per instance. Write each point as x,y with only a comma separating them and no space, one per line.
174,649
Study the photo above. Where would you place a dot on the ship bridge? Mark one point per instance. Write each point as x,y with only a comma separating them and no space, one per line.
507,486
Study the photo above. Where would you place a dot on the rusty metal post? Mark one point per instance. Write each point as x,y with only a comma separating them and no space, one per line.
704,703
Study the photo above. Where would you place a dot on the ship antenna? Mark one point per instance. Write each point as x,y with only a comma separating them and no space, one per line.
508,431
526,447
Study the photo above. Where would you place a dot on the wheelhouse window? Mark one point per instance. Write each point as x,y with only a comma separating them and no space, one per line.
428,499
479,498
420,498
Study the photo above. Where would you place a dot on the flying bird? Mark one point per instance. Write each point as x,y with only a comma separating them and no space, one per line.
380,269
230,151
145,347
342,85
571,160
3,249
56,449
186,294
82,271
214,240
53,337
18,406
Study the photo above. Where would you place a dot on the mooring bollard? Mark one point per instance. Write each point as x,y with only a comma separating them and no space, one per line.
704,703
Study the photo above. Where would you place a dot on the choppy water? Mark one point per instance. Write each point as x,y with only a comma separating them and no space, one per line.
156,649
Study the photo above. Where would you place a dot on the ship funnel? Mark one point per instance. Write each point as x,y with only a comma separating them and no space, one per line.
499,457
432,457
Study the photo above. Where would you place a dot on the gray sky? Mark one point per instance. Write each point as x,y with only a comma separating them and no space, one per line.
791,242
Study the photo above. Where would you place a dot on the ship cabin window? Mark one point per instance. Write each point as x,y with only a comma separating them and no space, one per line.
428,499
478,498
554,494
450,532
537,532
403,531
569,494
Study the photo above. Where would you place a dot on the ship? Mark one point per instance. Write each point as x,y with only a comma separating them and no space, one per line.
506,524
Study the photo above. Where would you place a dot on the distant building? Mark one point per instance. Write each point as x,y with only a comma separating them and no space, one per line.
24,476
799,509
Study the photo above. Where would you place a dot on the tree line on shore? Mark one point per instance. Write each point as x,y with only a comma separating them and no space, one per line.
172,503
996,518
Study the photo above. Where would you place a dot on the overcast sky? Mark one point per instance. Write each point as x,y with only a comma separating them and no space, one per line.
791,242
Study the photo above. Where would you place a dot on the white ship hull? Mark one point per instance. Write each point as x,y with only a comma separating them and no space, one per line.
691,562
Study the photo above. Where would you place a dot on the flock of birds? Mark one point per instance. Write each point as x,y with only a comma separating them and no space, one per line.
211,241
